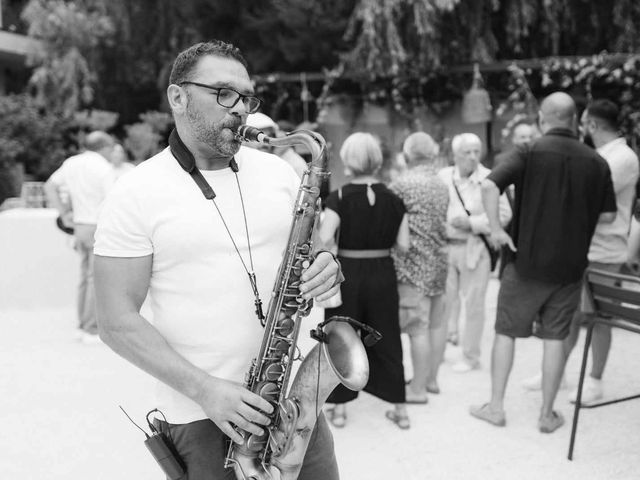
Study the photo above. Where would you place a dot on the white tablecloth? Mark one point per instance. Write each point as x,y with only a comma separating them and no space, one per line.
38,266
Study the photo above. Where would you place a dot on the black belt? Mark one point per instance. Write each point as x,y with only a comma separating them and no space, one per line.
457,241
380,253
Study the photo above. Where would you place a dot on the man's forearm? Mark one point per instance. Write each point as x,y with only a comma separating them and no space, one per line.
137,341
491,202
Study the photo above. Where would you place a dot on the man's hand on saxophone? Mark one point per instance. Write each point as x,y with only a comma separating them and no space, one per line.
230,404
323,277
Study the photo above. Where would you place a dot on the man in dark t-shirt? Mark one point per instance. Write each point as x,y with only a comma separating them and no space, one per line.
562,190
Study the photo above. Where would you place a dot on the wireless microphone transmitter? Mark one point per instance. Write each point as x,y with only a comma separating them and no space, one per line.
164,454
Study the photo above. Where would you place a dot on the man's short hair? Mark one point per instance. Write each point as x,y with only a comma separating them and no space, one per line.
606,112
361,153
459,140
97,140
186,60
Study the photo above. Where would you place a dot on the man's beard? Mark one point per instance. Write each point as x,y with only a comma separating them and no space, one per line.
220,137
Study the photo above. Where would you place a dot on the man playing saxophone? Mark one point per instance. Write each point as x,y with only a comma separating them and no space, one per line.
201,227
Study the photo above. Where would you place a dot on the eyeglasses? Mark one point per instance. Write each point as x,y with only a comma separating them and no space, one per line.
228,97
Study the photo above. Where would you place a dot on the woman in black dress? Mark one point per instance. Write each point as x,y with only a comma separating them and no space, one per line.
370,220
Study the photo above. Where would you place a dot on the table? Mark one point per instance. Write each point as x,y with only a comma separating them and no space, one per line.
38,266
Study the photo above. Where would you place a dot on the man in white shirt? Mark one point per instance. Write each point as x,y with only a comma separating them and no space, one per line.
201,228
469,261
77,190
608,249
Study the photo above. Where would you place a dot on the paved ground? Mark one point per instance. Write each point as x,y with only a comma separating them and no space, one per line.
60,420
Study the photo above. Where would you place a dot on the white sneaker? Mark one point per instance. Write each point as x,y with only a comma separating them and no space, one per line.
464,367
592,391
534,383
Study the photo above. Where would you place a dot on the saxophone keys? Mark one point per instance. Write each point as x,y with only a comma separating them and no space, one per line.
256,443
304,249
280,347
273,372
269,391
285,327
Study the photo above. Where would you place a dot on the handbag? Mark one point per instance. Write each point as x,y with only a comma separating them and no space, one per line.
494,254
60,224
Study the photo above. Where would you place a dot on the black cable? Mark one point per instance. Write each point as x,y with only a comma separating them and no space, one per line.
131,420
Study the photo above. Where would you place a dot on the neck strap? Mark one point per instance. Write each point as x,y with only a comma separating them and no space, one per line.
188,163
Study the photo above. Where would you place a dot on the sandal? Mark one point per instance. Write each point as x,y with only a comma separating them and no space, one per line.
338,420
417,398
551,423
402,421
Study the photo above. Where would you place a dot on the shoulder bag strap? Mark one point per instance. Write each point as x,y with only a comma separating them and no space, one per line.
481,235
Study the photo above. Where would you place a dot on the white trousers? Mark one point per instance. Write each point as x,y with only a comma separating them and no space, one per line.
468,286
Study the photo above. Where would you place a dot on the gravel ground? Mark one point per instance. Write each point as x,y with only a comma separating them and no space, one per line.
60,417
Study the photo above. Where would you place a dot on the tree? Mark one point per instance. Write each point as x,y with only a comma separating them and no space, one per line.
69,33
36,138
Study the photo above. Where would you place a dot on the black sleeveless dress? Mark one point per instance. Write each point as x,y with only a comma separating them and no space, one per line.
369,292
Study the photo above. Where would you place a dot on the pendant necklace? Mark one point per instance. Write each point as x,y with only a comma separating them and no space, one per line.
250,272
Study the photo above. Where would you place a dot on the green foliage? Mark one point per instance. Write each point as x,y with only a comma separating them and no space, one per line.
95,120
38,139
615,77
69,33
145,138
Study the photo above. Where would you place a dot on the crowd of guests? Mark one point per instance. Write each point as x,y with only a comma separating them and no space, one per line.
419,250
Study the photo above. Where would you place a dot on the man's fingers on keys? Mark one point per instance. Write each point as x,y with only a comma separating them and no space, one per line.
232,433
252,415
246,425
257,402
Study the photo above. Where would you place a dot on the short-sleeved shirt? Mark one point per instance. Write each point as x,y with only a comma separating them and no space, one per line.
364,226
426,198
86,179
201,299
609,242
561,188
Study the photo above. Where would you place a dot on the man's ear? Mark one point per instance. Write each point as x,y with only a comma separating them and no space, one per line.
177,98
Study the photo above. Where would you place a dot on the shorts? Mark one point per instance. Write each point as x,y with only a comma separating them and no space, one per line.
523,301
415,311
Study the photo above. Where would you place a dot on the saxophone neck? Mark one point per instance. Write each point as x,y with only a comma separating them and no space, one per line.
313,141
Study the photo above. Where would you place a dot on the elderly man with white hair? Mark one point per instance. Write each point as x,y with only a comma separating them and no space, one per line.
469,259
422,270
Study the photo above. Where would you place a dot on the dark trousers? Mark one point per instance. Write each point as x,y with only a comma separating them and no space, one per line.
203,448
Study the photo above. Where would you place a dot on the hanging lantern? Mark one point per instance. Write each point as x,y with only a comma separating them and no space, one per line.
476,104
305,96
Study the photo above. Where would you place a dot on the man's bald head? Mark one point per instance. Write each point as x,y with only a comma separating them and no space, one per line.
557,110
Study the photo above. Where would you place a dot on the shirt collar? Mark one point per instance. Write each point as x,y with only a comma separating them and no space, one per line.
616,142
562,132
474,177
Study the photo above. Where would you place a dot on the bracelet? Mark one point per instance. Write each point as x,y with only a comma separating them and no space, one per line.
340,275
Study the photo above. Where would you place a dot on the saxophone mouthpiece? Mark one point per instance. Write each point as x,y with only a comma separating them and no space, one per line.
245,133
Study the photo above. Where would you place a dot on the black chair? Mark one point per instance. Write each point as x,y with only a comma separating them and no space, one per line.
616,302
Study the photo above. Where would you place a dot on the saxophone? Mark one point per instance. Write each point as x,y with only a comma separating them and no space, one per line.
339,358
